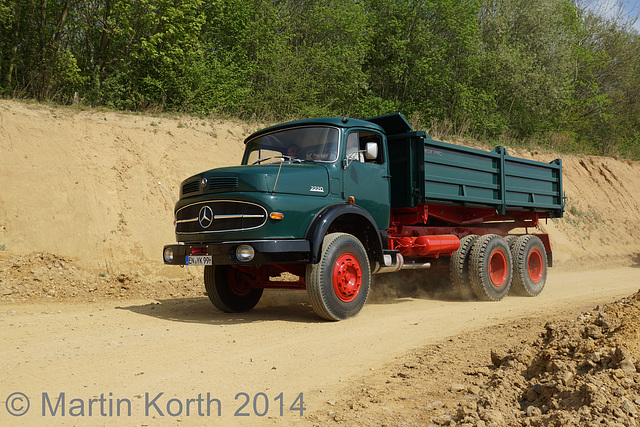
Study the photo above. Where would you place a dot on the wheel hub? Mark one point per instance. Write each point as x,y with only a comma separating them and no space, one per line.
235,283
534,266
498,268
347,277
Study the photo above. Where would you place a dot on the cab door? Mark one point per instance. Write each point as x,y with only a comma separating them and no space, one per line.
366,177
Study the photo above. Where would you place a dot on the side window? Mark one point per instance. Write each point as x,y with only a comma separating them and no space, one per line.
374,156
356,147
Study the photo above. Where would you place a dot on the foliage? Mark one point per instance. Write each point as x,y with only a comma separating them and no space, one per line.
425,57
528,63
606,108
551,71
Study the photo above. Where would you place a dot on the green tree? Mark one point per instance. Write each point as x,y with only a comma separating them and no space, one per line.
33,56
281,59
424,57
147,53
317,66
514,67
528,62
605,113
234,34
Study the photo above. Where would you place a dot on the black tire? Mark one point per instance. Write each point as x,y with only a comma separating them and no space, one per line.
510,240
529,266
490,268
227,291
459,268
338,285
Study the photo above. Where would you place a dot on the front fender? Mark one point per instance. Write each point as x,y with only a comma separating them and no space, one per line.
347,218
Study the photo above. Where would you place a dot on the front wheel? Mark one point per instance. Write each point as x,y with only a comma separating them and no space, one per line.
228,289
338,285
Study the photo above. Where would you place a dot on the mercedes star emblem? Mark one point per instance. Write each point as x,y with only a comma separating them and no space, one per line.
205,217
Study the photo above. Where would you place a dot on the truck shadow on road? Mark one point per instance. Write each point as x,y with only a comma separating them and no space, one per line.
200,310
281,305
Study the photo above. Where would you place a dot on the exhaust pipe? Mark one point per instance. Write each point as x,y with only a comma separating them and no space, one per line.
398,265
417,266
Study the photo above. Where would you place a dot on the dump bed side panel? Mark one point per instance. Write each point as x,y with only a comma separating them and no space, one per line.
428,171
533,185
459,174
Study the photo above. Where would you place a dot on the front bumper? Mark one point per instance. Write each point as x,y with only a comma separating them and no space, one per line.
293,251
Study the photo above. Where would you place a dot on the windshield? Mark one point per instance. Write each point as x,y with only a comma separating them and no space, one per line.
319,143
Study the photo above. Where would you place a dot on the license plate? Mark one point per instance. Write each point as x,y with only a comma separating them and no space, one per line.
199,260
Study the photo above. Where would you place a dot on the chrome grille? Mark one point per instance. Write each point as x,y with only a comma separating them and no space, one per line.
228,215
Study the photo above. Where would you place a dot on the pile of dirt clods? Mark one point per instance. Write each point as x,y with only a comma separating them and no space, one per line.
49,276
579,373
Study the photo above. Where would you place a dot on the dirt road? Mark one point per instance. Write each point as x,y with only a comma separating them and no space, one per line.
158,360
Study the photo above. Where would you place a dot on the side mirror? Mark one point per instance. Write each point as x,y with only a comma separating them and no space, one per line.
371,151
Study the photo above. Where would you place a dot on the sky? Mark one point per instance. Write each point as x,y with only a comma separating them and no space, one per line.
611,8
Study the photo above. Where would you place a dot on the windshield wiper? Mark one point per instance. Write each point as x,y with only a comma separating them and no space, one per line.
289,158
261,160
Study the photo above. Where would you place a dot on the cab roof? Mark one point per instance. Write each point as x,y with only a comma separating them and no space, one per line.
342,122
391,124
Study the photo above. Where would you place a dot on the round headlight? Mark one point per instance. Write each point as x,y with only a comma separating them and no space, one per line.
168,255
245,253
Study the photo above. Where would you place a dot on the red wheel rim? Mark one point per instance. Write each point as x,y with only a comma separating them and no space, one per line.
498,268
347,277
235,284
534,266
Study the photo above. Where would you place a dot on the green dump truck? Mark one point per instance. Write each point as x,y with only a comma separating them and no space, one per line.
332,201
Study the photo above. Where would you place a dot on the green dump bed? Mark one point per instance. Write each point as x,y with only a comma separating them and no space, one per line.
428,171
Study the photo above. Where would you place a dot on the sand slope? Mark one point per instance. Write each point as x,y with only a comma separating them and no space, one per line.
85,184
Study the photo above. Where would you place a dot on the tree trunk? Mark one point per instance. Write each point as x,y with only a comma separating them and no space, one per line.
13,50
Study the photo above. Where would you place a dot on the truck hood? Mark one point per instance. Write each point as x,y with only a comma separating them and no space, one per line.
286,178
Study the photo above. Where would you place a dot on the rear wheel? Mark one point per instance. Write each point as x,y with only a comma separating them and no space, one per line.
459,267
228,289
490,268
529,266
510,240
338,285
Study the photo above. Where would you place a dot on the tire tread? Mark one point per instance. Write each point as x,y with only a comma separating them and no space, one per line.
519,252
234,304
459,267
317,280
478,266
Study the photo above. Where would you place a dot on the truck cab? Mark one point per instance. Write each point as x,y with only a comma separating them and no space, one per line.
297,182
